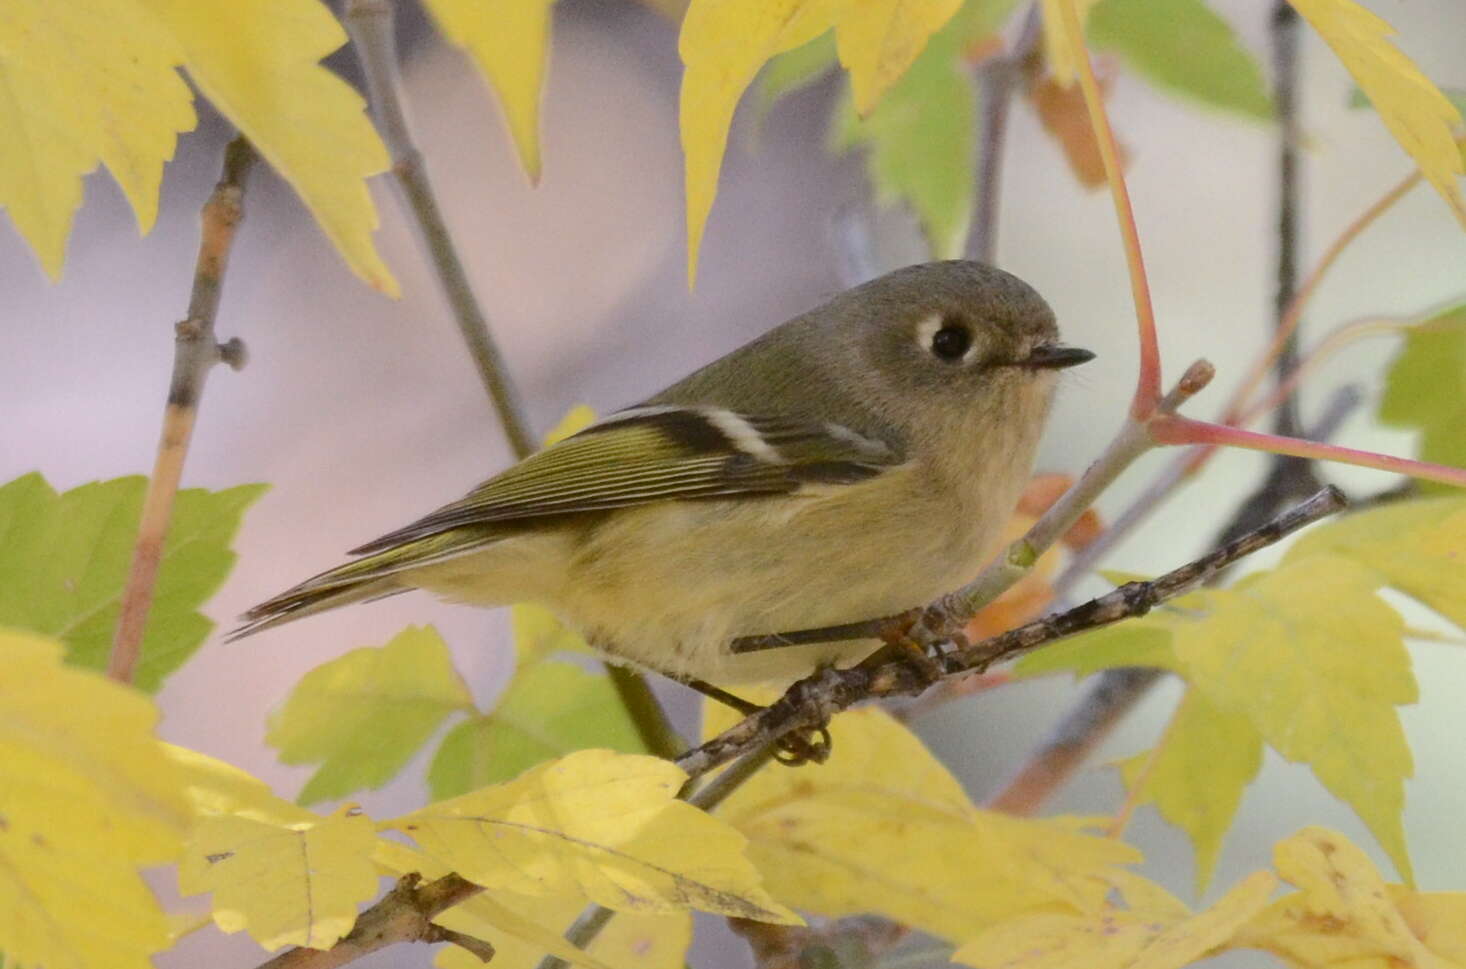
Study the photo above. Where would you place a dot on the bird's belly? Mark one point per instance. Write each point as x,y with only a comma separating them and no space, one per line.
670,591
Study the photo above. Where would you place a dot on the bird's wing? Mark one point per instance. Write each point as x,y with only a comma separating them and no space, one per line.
657,453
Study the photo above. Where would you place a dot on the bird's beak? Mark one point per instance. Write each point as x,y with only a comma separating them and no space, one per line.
1056,356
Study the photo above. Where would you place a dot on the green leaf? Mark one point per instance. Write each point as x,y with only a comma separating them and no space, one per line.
64,560
792,70
1183,47
1425,388
362,716
1197,775
548,710
921,141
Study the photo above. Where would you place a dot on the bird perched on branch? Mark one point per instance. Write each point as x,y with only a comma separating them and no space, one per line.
854,462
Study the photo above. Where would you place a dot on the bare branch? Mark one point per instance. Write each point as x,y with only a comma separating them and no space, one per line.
195,351
811,702
371,25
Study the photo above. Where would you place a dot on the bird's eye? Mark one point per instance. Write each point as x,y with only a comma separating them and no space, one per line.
951,342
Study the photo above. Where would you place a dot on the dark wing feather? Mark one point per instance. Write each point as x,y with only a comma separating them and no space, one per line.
659,453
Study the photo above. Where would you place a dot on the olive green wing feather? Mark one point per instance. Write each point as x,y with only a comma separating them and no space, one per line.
631,458
658,453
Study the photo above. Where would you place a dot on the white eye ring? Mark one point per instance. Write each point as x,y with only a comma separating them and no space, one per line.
926,337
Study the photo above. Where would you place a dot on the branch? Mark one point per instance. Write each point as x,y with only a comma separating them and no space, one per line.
405,914
195,351
810,703
373,34
1148,382
997,101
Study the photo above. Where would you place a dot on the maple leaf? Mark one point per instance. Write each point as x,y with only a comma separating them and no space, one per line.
363,715
87,797
598,825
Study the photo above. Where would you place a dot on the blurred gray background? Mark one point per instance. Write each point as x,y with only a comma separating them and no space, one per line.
363,413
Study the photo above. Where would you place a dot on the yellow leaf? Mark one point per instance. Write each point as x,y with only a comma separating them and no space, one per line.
1344,913
508,40
629,941
1059,46
1416,112
1115,938
577,419
601,826
363,715
82,82
86,798
878,39
482,916
258,61
217,787
1196,777
1414,546
883,827
1318,663
294,884
723,44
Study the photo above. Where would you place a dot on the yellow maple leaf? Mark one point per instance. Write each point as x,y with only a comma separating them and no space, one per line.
884,827
86,798
83,82
1318,663
1413,546
258,61
96,80
296,884
1415,111
508,40
1197,774
217,787
724,43
1344,913
1119,938
629,941
506,927
878,39
601,826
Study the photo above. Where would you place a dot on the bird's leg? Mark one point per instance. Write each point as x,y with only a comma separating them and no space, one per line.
794,749
903,647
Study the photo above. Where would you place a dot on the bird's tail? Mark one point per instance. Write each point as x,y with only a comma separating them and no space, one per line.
371,577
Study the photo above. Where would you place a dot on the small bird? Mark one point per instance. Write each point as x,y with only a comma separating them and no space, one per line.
854,462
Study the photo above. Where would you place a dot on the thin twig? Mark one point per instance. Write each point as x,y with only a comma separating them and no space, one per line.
646,712
1285,95
405,914
998,78
195,351
811,702
373,35
371,24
